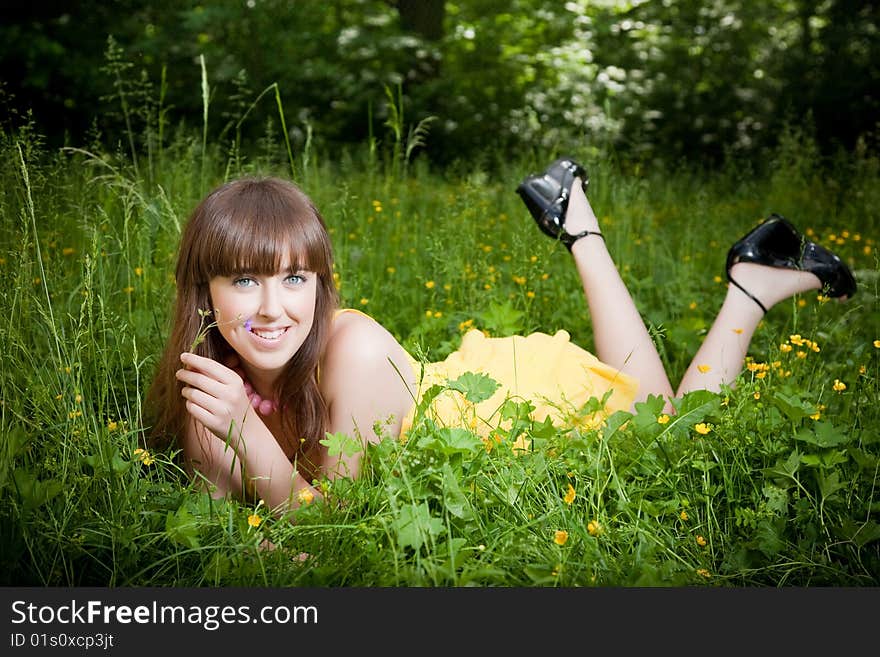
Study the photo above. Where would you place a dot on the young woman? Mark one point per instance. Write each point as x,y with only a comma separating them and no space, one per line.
280,365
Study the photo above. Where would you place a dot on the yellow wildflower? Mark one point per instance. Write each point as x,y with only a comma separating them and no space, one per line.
390,270
663,419
430,284
757,394
692,305
138,271
785,348
717,279
701,541
796,339
560,536
67,251
305,496
78,398
802,303
364,301
144,456
816,415
877,344
254,520
801,354
703,572
594,528
702,428
863,369
683,515
569,496
839,386
112,425
704,368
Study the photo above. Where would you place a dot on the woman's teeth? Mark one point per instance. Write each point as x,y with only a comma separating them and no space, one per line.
269,335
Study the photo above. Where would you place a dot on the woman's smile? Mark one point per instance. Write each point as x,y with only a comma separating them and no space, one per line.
279,311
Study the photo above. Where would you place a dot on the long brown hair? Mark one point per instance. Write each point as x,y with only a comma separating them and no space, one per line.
248,225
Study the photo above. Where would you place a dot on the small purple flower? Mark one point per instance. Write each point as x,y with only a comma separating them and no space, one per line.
247,325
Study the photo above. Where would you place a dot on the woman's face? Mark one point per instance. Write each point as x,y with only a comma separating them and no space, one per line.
265,319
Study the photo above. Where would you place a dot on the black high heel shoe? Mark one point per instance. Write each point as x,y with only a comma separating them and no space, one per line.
546,196
777,243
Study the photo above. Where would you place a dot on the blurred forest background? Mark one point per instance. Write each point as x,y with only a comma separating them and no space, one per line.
669,79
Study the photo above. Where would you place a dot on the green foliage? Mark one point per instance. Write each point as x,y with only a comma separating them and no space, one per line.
651,80
781,490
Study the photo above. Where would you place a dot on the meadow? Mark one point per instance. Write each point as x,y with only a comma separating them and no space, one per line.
773,482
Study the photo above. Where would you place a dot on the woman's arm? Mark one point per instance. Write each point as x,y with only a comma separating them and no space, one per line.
366,379
228,443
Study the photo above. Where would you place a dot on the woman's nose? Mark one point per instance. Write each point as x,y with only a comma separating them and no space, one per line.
270,301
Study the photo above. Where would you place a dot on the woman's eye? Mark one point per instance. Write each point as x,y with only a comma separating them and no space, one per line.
243,281
296,279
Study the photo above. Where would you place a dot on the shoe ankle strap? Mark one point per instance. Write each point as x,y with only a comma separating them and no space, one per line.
568,239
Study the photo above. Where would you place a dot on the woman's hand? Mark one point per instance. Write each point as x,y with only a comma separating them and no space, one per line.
215,395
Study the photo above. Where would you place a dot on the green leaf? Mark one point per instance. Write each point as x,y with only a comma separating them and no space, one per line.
518,411
785,469
614,422
340,443
502,319
119,464
427,397
182,528
475,387
451,440
795,408
769,537
829,485
777,499
415,525
823,434
698,401
647,413
453,497
861,533
543,430
34,493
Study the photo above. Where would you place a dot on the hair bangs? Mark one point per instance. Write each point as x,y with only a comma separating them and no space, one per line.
262,228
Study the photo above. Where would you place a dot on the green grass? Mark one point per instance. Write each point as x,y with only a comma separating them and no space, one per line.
771,496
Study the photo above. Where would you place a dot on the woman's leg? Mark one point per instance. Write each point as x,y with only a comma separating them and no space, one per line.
621,338
720,358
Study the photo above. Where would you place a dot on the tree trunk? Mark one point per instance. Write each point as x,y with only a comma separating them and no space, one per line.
424,17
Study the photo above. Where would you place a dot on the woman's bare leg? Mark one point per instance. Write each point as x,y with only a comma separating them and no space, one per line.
720,358
622,340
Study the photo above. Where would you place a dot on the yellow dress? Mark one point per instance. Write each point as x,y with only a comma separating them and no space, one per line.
555,375
552,373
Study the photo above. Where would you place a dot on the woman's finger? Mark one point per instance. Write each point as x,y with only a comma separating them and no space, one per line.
202,381
210,367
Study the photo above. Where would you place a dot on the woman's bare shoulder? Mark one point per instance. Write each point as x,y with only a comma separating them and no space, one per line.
359,346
